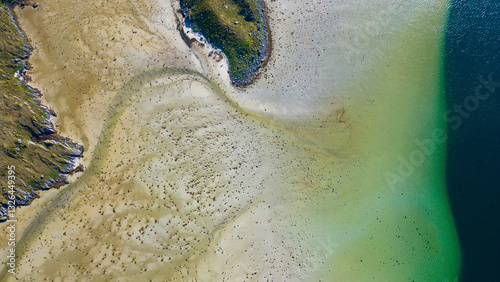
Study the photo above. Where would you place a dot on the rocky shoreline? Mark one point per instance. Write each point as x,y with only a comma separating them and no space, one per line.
244,63
45,147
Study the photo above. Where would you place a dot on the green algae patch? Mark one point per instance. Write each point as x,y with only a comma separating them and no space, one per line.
238,27
29,147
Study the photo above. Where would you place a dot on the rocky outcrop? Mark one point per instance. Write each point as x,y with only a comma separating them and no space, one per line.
31,152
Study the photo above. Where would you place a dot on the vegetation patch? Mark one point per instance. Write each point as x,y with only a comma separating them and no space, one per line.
28,142
237,27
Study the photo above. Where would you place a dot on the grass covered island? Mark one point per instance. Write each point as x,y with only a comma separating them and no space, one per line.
237,27
31,152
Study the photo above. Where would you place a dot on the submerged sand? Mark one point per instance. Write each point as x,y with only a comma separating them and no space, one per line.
190,178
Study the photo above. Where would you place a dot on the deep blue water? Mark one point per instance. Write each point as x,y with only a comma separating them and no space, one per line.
472,70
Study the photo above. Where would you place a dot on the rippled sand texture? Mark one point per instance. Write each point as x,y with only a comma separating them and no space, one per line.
190,182
84,50
175,195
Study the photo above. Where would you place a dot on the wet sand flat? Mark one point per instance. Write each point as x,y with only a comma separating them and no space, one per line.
192,179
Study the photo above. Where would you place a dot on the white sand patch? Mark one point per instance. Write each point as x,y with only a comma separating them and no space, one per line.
319,50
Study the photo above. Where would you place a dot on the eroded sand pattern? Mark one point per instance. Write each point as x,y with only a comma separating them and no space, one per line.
184,216
187,181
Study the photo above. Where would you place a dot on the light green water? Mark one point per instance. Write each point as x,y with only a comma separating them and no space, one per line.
407,234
